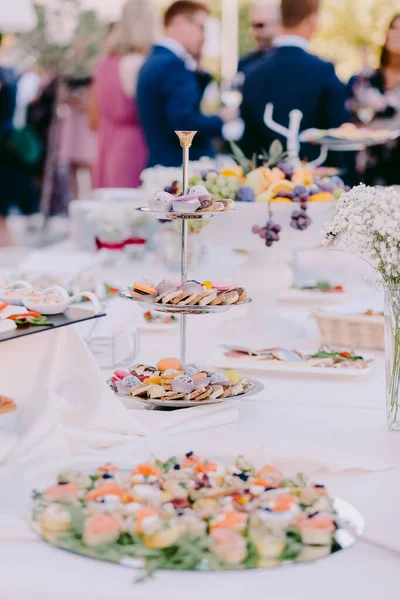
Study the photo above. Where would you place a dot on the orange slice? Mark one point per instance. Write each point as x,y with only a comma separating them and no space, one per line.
232,171
303,177
322,197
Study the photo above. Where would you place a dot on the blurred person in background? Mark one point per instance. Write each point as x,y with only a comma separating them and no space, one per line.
265,23
8,97
375,102
78,140
122,150
170,92
290,77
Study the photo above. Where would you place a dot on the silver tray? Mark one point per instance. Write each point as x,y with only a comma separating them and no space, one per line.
350,521
347,145
182,310
257,387
173,216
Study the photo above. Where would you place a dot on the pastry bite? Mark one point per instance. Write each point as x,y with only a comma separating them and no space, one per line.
209,297
101,529
201,380
185,204
316,530
231,297
162,202
183,384
200,192
206,206
219,299
242,294
143,290
165,287
56,519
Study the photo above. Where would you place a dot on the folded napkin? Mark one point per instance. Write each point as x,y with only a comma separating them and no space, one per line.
66,407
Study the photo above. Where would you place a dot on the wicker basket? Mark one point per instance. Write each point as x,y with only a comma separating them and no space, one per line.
352,331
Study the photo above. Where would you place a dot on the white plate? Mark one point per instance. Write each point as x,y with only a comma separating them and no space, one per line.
313,297
251,364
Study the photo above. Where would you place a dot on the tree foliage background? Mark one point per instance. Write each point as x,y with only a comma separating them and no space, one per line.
351,34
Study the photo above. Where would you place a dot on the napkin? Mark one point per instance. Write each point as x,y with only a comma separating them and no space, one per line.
66,407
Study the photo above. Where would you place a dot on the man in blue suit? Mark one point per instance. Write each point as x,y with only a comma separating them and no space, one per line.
265,20
292,78
170,89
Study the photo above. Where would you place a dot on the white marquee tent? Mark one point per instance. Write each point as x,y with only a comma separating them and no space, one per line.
16,15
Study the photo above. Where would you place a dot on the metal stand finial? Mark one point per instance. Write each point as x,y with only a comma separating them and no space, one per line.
292,135
186,140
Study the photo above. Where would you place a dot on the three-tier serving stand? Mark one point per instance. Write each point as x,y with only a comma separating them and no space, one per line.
186,140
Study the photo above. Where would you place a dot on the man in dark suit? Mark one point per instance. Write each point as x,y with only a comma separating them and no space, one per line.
265,20
170,89
292,78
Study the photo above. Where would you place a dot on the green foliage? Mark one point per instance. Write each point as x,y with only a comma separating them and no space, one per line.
76,57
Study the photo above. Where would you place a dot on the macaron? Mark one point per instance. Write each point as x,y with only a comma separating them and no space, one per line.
162,202
168,363
200,192
141,289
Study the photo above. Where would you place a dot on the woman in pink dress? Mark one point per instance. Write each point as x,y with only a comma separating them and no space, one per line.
122,150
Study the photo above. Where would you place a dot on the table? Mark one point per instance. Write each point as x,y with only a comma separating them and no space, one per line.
348,415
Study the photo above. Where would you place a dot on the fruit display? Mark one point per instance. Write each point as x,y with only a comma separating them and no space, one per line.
189,513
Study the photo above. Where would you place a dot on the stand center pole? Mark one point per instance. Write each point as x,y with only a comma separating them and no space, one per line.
185,138
184,255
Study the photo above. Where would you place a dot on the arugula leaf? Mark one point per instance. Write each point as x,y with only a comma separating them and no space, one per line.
252,557
293,545
77,520
36,495
168,465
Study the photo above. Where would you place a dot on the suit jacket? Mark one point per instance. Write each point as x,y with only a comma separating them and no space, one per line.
291,78
251,60
169,97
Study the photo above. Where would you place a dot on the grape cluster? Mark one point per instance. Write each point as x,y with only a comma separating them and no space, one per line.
222,187
269,233
301,195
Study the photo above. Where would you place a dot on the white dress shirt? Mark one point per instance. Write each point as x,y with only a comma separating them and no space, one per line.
295,41
180,51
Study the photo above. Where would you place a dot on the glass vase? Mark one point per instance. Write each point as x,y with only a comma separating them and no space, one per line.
392,355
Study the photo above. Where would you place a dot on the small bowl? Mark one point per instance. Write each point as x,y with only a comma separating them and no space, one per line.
17,285
57,308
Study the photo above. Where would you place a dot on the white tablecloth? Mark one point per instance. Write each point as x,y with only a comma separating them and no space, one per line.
292,412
